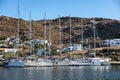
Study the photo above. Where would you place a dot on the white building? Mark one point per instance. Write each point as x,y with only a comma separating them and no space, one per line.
10,50
112,42
40,52
37,41
75,47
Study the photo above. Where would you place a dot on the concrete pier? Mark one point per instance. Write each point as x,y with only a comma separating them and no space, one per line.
115,62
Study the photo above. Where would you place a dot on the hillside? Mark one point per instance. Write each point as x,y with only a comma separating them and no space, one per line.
105,29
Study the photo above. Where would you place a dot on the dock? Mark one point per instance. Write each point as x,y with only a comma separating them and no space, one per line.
115,62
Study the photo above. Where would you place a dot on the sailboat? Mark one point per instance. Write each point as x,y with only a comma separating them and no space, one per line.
82,61
15,62
30,61
40,62
96,61
72,62
63,61
45,61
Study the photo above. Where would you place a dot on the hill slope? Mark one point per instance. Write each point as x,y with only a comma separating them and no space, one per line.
105,28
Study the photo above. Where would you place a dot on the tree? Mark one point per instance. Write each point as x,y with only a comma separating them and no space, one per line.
3,37
8,55
39,46
24,38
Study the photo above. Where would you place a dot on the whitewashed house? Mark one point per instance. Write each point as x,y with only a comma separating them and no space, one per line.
112,42
75,47
10,50
37,41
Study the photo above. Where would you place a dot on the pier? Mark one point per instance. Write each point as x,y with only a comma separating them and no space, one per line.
115,62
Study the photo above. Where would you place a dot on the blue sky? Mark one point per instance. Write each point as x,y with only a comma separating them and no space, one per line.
54,8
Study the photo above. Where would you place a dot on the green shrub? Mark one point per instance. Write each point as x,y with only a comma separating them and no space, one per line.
8,55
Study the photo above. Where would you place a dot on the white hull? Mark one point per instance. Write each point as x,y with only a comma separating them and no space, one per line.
39,63
84,64
31,64
95,61
74,63
61,63
14,63
45,64
78,63
106,62
99,62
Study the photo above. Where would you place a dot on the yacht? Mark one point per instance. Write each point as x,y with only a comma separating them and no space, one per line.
96,60
15,62
61,62
44,62
79,62
38,62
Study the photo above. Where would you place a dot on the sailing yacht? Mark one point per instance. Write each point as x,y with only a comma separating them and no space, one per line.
15,62
45,61
96,61
61,61
30,61
40,62
82,61
71,61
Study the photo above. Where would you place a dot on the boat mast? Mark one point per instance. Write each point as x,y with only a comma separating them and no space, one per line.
70,31
94,38
60,37
49,40
18,25
30,34
70,36
82,36
45,34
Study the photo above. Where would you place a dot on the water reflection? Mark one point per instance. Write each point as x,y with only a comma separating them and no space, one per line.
61,73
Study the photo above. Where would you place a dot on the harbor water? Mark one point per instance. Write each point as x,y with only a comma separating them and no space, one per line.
61,73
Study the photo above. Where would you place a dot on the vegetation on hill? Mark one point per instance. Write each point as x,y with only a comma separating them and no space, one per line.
105,29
